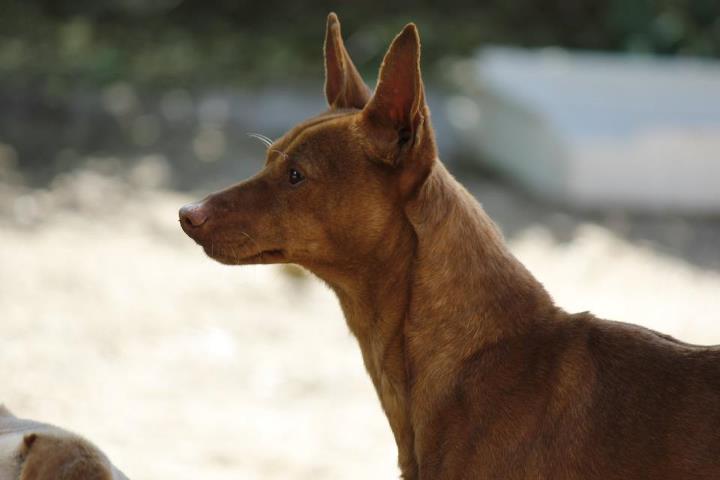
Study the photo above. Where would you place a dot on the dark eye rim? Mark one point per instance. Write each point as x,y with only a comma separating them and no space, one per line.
295,176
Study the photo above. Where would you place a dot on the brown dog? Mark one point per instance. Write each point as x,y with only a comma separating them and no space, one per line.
479,373
31,450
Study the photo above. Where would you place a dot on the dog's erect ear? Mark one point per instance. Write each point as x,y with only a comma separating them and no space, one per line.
344,88
399,99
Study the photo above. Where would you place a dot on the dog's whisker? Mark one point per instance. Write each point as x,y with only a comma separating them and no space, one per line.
265,140
249,237
280,152
235,255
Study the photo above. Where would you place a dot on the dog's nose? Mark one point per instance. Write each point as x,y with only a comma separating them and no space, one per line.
193,215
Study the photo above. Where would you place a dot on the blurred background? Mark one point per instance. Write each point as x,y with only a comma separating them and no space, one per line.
589,130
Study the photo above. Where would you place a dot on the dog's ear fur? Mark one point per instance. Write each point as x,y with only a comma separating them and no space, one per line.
344,87
398,104
28,441
62,457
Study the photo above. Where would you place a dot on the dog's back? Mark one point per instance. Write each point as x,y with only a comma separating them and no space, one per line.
582,398
655,410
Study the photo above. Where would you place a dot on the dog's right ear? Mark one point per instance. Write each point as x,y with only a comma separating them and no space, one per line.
344,87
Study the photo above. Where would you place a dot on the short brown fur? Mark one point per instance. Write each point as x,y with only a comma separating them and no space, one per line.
479,373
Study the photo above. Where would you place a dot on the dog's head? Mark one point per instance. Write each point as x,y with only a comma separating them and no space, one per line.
60,456
333,187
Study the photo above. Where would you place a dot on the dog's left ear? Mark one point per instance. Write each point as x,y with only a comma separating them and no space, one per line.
344,87
398,105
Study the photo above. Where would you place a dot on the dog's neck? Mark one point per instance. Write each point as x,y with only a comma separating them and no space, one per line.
468,292
463,269
375,299
445,271
447,288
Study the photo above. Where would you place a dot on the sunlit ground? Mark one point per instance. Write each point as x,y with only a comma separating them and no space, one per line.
116,325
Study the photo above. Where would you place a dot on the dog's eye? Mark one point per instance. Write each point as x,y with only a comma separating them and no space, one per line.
295,177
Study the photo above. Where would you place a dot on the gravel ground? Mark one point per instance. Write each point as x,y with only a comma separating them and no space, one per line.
115,325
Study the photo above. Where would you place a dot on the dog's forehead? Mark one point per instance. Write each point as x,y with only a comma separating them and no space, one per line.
320,132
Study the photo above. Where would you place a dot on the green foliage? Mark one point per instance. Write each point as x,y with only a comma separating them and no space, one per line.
231,42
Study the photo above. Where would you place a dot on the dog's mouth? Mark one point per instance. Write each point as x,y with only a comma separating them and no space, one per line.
229,250
229,256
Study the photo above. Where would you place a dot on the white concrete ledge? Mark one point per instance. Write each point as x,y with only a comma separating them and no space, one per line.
596,130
